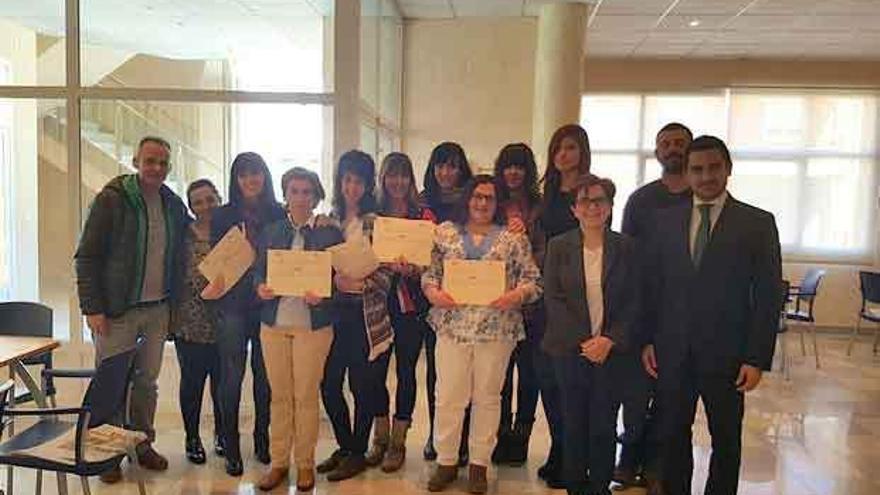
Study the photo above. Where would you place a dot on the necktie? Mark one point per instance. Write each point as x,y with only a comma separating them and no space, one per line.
703,232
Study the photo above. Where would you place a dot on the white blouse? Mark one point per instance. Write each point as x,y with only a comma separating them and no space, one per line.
593,280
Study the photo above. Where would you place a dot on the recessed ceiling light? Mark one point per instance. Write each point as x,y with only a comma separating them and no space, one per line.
694,23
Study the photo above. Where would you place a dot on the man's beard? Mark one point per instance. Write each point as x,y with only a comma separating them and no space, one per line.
672,165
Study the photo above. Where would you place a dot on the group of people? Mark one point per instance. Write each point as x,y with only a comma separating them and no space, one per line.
682,305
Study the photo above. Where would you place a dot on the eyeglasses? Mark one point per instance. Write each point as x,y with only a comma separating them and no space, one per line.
483,197
587,201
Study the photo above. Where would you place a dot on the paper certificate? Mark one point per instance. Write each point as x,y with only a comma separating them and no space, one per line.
354,259
396,237
295,272
476,282
231,258
101,443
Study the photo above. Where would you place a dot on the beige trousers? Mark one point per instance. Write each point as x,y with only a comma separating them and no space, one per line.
295,366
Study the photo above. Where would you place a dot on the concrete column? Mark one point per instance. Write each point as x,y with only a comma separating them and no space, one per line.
346,76
559,60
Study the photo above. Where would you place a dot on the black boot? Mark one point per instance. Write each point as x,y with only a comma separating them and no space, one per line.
518,445
195,452
234,466
261,448
430,454
500,454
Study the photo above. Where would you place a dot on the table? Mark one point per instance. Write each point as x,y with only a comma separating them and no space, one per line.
14,350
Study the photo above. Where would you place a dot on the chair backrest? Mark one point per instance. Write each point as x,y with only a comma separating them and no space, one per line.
25,319
870,282
810,283
108,391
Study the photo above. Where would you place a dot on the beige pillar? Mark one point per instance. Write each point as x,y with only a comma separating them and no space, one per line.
346,76
559,59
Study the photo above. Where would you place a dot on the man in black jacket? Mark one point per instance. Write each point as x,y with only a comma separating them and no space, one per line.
715,276
127,263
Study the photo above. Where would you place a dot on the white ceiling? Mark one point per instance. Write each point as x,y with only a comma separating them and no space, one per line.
840,29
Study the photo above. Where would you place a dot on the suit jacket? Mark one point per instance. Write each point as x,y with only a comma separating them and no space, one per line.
568,314
725,312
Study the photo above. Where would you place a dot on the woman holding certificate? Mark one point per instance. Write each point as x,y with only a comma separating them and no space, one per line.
296,332
362,327
591,294
407,306
445,178
252,206
480,276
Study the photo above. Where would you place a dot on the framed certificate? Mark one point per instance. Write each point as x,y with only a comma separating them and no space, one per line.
474,282
295,272
396,237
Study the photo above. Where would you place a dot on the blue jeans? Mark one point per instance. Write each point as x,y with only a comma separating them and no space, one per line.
237,329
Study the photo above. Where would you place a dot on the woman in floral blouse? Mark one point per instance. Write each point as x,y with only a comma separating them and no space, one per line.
474,343
194,324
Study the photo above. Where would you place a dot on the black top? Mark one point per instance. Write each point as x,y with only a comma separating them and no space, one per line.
556,215
644,202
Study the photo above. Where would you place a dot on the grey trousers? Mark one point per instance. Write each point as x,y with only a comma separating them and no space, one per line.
152,323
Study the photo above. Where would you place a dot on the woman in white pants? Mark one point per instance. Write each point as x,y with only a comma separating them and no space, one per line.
474,342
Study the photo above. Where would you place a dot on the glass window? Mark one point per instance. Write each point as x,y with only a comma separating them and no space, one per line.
622,170
703,114
266,46
808,157
772,186
35,232
32,43
612,122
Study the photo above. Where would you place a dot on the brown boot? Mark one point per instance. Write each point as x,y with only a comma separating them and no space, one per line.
443,477
381,435
112,475
305,479
272,479
396,454
477,481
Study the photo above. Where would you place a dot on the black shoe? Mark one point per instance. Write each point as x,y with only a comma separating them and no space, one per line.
194,450
350,467
429,453
219,445
234,466
625,476
261,449
332,462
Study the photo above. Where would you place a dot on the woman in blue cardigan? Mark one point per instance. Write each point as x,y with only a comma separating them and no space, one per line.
296,334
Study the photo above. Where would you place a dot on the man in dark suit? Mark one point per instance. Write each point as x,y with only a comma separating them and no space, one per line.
713,307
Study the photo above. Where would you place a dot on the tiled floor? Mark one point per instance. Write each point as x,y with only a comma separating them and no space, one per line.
817,434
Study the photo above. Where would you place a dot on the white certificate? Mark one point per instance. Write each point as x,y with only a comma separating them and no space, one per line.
295,272
231,258
354,259
396,237
475,282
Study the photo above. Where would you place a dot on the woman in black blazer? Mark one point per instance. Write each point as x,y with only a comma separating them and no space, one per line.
590,277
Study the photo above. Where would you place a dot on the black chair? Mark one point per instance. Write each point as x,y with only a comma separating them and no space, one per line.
29,319
107,394
804,296
870,287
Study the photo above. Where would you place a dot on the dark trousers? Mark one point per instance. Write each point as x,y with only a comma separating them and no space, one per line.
236,331
409,333
589,417
349,353
679,387
635,393
527,387
197,362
